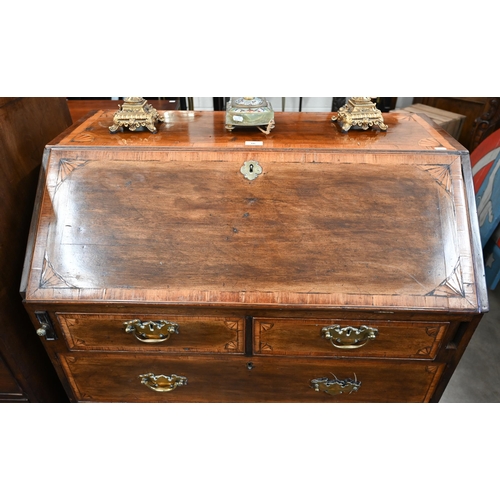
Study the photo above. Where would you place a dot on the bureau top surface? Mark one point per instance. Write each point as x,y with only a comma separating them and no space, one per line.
170,218
195,130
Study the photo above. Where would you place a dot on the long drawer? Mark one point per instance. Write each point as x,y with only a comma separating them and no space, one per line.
341,338
103,377
150,333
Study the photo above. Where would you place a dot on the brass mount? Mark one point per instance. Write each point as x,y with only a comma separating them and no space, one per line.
134,114
359,112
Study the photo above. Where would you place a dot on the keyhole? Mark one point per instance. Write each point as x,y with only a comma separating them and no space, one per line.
251,167
250,366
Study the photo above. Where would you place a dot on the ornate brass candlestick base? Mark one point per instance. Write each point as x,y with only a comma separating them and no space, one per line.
135,113
360,112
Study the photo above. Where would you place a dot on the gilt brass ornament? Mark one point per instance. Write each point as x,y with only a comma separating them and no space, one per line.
135,113
359,112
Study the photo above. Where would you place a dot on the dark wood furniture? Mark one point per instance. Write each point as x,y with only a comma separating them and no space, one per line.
307,265
79,108
482,116
26,125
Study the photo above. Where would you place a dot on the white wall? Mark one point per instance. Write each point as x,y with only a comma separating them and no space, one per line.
308,103
203,103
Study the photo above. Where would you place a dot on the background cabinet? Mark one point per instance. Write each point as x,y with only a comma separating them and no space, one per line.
26,125
482,115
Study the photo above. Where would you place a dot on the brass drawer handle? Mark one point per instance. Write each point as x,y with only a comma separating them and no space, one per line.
334,386
151,331
349,337
162,383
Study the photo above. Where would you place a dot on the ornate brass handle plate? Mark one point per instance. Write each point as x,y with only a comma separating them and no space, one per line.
162,383
334,386
349,337
151,331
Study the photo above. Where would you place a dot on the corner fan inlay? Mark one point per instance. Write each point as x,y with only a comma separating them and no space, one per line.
452,285
440,173
50,278
66,166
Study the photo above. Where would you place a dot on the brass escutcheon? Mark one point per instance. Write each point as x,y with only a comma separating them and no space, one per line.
151,331
349,337
251,170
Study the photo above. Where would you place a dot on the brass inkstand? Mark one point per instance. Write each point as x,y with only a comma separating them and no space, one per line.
135,113
359,112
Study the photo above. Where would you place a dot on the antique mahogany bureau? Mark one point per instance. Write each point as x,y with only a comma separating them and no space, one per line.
307,265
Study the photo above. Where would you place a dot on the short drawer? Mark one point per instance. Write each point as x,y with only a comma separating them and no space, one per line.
341,338
150,333
101,377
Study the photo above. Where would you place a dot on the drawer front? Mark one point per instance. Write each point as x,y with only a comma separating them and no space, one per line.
152,333
151,378
341,338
